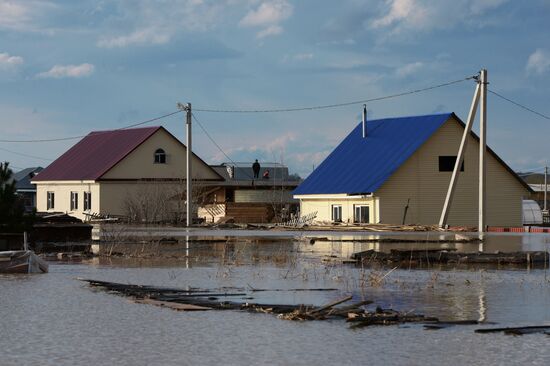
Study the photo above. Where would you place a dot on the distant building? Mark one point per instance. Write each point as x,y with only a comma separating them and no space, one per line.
400,172
24,188
137,173
246,199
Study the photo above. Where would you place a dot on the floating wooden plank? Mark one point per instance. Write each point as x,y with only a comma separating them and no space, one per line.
172,305
517,330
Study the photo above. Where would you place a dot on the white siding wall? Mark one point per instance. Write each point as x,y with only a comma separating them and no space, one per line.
323,207
62,192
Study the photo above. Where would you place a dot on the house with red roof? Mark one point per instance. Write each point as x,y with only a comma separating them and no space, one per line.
138,173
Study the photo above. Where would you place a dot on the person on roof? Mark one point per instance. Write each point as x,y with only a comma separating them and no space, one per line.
256,169
266,174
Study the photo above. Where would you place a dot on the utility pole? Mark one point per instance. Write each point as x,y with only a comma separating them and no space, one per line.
188,173
460,158
482,152
545,188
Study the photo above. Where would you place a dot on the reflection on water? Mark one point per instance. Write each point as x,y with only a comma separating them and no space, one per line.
54,319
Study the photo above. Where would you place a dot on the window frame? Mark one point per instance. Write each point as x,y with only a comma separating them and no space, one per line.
357,220
87,201
159,157
50,200
445,164
74,201
339,210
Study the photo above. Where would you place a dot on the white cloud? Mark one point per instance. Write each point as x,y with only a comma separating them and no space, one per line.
268,16
139,37
303,56
7,61
298,57
23,15
538,62
152,22
401,15
408,69
68,71
269,12
272,30
400,9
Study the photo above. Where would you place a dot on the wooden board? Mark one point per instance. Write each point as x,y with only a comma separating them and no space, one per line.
172,305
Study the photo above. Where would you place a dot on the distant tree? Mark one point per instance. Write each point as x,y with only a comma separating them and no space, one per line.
12,210
294,176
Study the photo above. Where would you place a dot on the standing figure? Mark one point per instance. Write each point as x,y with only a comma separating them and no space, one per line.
256,169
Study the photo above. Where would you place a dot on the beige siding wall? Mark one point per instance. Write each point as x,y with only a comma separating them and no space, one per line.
62,194
115,196
263,196
323,207
420,180
140,163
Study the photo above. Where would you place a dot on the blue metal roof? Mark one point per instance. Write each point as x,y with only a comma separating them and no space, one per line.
361,165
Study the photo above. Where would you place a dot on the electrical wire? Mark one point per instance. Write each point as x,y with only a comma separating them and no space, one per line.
26,155
218,146
327,106
518,104
82,136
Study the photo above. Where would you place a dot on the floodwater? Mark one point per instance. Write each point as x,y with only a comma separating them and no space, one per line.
55,319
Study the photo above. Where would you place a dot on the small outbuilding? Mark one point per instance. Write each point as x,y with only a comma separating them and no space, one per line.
399,173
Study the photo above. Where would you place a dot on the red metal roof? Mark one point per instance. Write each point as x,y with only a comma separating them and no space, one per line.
95,154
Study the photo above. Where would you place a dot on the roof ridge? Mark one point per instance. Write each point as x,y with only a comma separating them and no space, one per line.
415,116
125,129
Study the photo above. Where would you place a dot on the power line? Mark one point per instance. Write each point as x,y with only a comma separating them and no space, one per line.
218,146
327,106
519,105
26,155
82,136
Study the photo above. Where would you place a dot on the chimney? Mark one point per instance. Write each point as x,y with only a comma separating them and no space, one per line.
364,120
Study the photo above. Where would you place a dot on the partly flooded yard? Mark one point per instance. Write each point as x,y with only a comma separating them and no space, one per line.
55,319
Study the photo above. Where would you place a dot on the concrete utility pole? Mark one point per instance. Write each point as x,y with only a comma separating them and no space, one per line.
459,158
480,93
188,174
482,152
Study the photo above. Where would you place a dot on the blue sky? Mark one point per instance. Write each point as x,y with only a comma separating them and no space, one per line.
70,67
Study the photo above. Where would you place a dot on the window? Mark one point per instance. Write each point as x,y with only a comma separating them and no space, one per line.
447,164
160,157
87,201
337,213
74,201
50,200
361,214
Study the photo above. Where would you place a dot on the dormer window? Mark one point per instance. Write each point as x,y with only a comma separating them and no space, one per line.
160,157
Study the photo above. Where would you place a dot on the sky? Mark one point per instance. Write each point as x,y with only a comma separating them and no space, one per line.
70,67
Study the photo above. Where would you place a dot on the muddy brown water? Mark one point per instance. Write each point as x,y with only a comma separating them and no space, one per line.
55,319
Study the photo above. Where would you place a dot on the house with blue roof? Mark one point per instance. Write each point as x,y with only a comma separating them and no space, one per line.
399,173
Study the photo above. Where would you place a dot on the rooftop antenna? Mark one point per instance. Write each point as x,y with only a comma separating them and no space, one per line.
364,120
